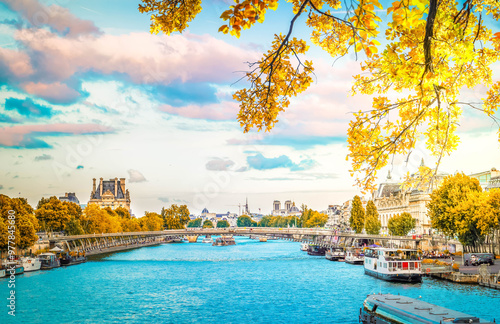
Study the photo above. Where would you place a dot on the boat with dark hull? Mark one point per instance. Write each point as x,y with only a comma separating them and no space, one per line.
72,258
314,249
49,261
393,264
396,309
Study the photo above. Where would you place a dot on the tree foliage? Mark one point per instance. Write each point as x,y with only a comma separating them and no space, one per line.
194,223
401,225
432,51
54,214
279,221
460,208
151,222
372,222
208,224
357,219
25,223
316,219
176,217
245,221
223,224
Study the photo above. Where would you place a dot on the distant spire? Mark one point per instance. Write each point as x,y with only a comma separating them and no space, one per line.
389,175
422,162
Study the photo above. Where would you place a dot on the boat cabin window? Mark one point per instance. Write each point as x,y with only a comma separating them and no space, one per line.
385,265
412,265
405,265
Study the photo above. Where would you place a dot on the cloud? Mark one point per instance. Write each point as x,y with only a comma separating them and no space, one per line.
218,164
242,169
59,19
43,157
57,92
26,136
7,119
28,108
1,187
136,176
79,167
259,162
219,111
164,199
173,68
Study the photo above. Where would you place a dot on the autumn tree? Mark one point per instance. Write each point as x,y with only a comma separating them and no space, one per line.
432,51
53,214
195,223
372,221
208,224
176,217
357,219
151,222
316,219
100,220
401,225
25,223
223,224
306,214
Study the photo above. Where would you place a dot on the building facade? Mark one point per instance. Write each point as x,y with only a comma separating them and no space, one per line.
110,193
487,177
70,197
289,209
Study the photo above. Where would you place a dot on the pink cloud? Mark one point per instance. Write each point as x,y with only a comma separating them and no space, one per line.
220,111
18,63
144,58
54,92
57,17
26,135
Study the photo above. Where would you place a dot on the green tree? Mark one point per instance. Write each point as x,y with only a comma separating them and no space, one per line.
245,221
357,219
401,225
195,223
265,221
74,227
372,222
223,224
456,207
208,224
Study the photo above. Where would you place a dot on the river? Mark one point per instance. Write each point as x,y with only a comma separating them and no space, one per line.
250,282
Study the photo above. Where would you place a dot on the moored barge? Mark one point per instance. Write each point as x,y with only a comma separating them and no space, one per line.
396,309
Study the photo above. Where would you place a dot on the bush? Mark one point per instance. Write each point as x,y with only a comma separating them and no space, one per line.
459,253
456,266
446,252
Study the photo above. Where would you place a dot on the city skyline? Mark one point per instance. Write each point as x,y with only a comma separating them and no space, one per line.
87,92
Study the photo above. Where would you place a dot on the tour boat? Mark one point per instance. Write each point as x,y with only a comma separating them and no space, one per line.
49,261
393,264
72,258
304,246
396,309
30,264
316,250
335,254
224,240
354,256
8,267
207,239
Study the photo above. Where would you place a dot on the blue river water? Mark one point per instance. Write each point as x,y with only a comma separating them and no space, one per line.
250,282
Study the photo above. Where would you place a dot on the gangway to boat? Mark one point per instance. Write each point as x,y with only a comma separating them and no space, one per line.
432,268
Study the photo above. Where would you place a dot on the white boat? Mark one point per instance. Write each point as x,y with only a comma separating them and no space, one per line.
393,264
335,254
30,264
49,261
207,239
354,256
304,246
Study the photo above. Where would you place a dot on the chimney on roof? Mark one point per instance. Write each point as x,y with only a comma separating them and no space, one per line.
122,185
100,187
93,186
116,186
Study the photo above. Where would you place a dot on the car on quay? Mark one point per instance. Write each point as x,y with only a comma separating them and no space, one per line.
476,259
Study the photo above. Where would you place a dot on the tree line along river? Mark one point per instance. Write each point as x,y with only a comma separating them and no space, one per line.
250,282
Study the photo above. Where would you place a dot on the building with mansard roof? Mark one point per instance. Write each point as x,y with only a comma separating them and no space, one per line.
70,197
110,193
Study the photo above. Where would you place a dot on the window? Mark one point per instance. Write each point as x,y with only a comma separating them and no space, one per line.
385,265
405,265
412,265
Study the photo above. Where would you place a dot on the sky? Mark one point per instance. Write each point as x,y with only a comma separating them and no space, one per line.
87,92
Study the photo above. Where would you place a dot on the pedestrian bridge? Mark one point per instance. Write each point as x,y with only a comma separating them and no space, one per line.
319,236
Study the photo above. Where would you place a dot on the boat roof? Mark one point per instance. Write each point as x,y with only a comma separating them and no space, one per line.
418,311
46,254
391,249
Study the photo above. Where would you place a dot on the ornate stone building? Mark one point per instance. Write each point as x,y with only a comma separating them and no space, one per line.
289,209
392,199
110,193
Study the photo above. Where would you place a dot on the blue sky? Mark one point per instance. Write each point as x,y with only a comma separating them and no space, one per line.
87,92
